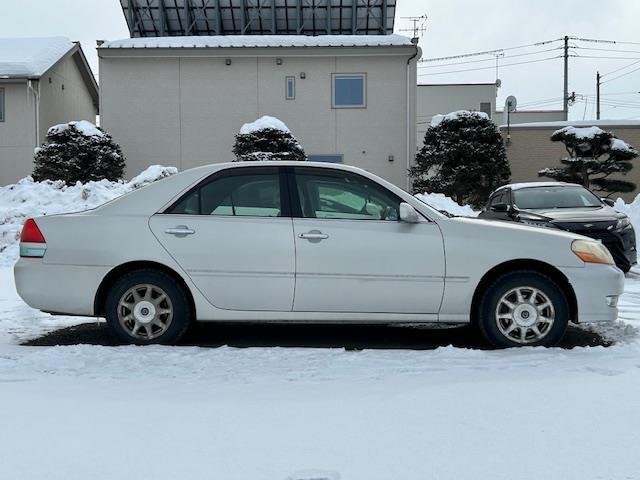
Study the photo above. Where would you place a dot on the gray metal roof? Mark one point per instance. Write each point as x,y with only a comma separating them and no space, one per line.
160,18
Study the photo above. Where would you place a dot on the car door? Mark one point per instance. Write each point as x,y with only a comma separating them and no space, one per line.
353,254
233,235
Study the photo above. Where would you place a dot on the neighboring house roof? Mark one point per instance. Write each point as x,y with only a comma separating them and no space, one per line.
268,41
32,58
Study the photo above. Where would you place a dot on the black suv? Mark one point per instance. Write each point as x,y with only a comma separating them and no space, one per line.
566,206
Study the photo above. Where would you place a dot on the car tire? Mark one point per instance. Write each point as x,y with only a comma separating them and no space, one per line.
523,308
146,307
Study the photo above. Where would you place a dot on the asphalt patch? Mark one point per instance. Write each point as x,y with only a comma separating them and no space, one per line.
349,337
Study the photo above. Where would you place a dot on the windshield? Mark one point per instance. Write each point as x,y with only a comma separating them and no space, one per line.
554,197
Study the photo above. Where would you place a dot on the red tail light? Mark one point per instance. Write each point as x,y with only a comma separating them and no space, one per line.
31,233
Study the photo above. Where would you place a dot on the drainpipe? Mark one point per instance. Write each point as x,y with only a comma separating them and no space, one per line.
410,147
35,90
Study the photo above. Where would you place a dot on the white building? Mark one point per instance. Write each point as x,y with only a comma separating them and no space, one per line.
181,100
442,98
43,81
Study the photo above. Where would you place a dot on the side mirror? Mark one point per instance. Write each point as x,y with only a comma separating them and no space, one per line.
499,208
408,213
608,201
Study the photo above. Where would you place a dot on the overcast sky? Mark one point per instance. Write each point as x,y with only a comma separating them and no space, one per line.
453,27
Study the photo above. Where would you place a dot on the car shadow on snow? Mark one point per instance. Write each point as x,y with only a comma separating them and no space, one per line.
349,337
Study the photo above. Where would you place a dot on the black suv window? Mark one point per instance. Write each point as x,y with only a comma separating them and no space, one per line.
250,192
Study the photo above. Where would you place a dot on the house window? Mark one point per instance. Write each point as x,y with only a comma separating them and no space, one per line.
325,158
1,104
486,108
349,90
290,88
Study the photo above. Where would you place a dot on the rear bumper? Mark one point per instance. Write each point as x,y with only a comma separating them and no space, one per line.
592,285
64,289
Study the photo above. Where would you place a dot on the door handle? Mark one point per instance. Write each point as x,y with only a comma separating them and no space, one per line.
180,231
313,235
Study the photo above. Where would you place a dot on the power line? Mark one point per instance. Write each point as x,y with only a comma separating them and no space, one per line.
490,59
621,68
492,67
595,40
622,75
489,52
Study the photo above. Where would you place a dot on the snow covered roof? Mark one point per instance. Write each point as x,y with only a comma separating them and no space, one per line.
31,57
576,123
269,41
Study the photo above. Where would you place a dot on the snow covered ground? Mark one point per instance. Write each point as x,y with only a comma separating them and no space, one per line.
96,412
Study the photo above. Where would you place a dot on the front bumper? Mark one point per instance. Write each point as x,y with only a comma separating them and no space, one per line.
592,285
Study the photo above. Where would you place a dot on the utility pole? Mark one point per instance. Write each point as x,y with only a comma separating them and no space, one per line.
566,77
597,95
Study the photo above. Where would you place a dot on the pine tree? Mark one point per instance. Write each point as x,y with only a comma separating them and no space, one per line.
78,152
594,155
267,139
463,156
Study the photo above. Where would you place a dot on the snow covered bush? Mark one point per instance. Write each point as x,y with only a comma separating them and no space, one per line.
594,155
78,152
267,139
463,157
29,198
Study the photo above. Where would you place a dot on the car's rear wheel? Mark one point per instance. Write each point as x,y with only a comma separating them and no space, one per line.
523,308
147,307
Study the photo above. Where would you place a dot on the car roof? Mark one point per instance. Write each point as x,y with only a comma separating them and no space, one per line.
520,186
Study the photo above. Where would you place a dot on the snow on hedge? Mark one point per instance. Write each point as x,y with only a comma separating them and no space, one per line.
438,119
27,199
582,133
84,127
264,122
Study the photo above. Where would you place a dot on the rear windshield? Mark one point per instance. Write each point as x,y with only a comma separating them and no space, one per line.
554,197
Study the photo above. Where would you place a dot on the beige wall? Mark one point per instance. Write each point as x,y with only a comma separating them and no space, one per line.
434,99
185,109
18,135
61,105
17,132
530,116
531,150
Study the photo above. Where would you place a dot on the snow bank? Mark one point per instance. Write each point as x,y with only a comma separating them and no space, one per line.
27,199
264,122
86,128
440,201
438,119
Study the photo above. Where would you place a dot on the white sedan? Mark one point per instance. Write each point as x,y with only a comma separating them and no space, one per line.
307,242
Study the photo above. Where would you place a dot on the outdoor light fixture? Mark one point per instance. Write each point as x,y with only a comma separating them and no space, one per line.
391,158
227,61
303,75
278,61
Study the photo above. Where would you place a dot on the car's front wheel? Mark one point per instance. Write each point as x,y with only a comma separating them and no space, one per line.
146,307
523,308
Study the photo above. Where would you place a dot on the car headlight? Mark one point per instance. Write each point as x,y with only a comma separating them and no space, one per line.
592,252
622,223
